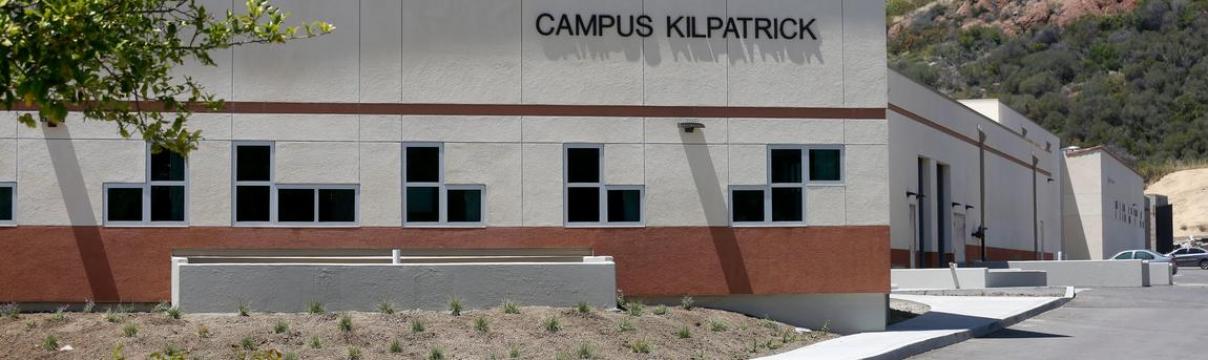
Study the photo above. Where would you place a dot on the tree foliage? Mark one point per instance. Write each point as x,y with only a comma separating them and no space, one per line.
113,59
1138,81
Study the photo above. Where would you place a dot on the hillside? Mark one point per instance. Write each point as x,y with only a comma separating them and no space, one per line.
1188,193
1130,73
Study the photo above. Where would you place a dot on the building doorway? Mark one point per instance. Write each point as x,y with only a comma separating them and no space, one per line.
942,215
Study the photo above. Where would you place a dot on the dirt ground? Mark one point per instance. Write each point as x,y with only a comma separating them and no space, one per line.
597,334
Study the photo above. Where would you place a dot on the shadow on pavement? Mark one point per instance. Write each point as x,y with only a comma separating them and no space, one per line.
1009,333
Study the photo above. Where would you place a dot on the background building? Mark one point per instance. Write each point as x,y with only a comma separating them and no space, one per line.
432,124
1103,204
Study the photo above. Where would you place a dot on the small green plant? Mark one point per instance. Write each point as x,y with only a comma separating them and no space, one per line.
634,308
788,336
687,302
89,304
290,356
130,330
315,343
661,310
345,323
583,307
203,331
247,343
281,327
395,347
244,310
315,308
552,324
50,343
11,310
173,313
161,307
417,326
481,325
514,351
386,308
455,306
354,353
640,346
30,325
510,307
171,351
436,354
718,325
771,325
825,326
60,314
113,316
684,333
586,351
626,326
118,352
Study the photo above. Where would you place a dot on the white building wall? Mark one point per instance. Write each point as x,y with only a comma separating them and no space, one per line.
1105,214
1008,206
487,52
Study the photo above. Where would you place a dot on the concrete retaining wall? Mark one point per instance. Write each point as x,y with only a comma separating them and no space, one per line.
999,278
1087,273
969,278
1160,274
215,288
841,313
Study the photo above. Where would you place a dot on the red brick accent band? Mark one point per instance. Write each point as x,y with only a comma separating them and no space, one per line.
69,264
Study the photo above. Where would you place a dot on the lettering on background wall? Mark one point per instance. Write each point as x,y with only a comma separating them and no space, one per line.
684,26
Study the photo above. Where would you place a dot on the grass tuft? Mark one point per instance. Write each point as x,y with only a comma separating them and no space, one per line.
60,314
345,323
626,326
315,308
687,303
683,333
634,308
130,330
514,351
11,310
50,343
203,331
455,306
281,327
510,307
244,310
583,307
315,343
89,304
436,354
386,308
247,343
586,351
291,356
160,307
481,325
395,347
173,313
640,346
354,353
114,315
417,326
661,310
552,324
718,325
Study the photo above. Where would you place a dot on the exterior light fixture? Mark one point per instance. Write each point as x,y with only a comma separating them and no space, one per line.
914,194
967,207
690,127
956,204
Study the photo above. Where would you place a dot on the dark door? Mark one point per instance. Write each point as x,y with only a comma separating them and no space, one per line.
1164,228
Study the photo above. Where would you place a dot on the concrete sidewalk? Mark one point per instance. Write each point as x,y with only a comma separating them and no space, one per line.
952,319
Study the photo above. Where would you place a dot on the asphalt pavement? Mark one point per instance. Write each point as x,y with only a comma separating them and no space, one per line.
1161,322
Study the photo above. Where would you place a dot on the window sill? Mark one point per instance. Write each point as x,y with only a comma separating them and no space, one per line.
296,225
603,225
768,225
144,225
444,226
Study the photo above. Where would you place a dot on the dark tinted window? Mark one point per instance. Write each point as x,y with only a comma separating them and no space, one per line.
786,204
583,165
1193,251
1143,255
6,203
423,164
337,205
624,205
167,166
296,204
1123,256
253,162
583,204
786,166
465,205
125,204
824,165
747,205
167,203
1179,252
422,204
252,203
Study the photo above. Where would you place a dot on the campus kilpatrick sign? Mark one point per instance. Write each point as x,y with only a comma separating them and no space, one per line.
684,26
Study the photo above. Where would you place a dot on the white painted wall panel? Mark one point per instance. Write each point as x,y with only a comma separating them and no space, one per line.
381,127
864,53
498,167
767,72
294,127
8,159
322,69
316,163
581,70
686,185
748,164
542,184
381,184
684,71
667,131
582,129
381,50
826,206
867,195
70,176
461,128
210,184
462,51
624,164
786,131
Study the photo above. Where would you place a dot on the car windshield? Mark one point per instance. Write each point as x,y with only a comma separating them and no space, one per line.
1144,255
1123,256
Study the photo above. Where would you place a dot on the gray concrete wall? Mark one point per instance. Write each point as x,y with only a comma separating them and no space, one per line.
1161,274
1089,273
216,288
998,278
969,278
841,313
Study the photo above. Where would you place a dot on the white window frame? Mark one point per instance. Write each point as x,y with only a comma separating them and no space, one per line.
603,187
767,191
442,192
146,197
356,204
11,222
274,186
842,165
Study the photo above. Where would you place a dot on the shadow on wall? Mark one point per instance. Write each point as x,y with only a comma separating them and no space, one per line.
79,212
1073,235
803,51
713,201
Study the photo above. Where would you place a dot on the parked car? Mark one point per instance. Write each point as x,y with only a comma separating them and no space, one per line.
1147,256
1192,256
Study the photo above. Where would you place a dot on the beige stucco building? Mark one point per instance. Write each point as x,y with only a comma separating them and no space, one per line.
1104,204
